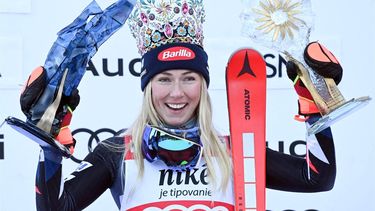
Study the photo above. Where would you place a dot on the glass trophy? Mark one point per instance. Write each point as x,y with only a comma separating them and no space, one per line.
66,64
285,25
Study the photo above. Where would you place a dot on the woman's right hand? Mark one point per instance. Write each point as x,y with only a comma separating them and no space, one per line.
33,90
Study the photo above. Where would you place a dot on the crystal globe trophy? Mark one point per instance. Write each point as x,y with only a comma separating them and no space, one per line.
285,25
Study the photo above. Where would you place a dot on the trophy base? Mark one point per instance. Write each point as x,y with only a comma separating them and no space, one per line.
44,139
337,114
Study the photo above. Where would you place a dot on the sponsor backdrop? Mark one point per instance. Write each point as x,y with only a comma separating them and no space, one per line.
111,94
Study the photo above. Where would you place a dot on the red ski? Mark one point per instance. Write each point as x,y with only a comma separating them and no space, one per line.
246,95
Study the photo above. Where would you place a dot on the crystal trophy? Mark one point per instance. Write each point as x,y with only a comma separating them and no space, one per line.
285,25
66,64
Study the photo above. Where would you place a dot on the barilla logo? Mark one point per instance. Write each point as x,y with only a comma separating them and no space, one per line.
176,53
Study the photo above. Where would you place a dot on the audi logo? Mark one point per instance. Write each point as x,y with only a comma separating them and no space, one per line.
85,136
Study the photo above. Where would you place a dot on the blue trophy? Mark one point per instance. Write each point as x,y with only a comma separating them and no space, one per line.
66,64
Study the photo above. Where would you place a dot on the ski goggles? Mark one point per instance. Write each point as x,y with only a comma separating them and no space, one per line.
175,147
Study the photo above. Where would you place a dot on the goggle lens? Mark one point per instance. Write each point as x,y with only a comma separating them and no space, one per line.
174,150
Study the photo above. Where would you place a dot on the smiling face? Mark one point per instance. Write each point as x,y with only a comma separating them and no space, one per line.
176,95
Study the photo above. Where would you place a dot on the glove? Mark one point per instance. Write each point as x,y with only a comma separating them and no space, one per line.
31,93
323,62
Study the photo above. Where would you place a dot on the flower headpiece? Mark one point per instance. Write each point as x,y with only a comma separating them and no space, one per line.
158,22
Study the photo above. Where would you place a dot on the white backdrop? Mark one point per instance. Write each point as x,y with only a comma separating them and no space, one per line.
28,28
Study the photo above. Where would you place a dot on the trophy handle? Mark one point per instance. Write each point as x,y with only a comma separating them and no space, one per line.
327,97
324,91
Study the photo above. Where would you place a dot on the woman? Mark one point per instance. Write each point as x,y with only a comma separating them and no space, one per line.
172,156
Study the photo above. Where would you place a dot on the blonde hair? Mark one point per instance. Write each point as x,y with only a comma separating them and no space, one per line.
214,148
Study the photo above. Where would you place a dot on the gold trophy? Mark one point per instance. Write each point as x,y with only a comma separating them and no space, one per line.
327,97
286,24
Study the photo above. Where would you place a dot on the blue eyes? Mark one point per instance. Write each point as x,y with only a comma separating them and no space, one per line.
190,78
164,80
167,79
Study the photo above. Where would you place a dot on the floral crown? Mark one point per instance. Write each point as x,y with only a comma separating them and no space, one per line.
157,22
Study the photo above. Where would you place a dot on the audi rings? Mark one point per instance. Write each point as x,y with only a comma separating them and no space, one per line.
94,137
